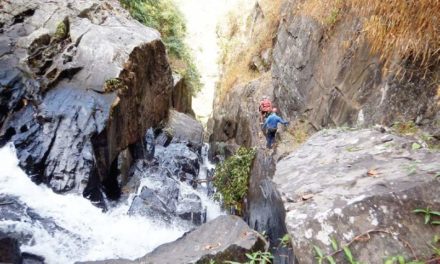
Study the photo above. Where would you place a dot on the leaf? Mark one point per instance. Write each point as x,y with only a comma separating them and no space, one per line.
427,218
401,259
419,210
318,251
390,261
334,243
331,260
435,213
348,254
415,146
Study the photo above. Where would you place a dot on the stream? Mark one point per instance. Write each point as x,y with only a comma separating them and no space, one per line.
68,228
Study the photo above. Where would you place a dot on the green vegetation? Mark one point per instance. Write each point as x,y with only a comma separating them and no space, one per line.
114,84
164,16
232,176
61,31
258,257
285,241
428,215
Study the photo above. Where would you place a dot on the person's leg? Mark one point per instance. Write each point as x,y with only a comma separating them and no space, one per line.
271,138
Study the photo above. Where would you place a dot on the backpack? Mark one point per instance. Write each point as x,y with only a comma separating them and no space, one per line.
265,105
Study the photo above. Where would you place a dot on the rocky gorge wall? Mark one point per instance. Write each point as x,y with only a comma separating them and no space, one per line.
329,75
80,82
326,76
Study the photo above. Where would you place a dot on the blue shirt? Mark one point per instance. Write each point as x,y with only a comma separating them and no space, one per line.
273,120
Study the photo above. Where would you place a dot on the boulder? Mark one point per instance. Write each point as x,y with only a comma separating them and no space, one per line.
161,196
180,160
182,95
224,238
9,250
190,208
184,128
77,82
359,187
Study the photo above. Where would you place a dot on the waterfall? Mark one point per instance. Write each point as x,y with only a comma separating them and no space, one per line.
83,232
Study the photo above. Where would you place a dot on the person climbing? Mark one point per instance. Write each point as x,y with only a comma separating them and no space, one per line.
265,108
271,124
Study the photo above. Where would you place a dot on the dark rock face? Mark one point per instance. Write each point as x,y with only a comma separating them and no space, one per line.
77,84
9,250
264,207
331,84
341,184
224,238
184,128
182,96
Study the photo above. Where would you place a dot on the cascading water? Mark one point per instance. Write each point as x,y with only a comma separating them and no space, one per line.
80,230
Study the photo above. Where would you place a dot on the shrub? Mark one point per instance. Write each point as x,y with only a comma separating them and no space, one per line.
164,16
232,176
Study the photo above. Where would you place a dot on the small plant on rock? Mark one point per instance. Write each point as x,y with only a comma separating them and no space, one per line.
405,128
428,214
231,178
257,257
114,84
61,31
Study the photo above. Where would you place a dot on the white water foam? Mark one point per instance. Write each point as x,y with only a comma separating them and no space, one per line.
92,234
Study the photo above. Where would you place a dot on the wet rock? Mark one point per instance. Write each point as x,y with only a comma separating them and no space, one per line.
161,196
9,250
29,258
190,208
14,213
179,160
77,81
149,204
359,184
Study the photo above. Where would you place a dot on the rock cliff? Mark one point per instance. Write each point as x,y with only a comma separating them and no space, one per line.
80,82
331,76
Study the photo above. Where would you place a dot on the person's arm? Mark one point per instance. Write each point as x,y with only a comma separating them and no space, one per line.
282,121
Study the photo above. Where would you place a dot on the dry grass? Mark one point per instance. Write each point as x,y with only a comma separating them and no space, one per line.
244,40
408,29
